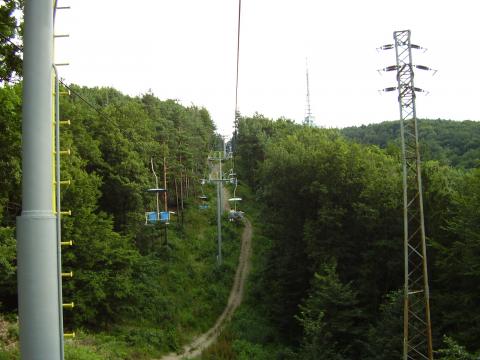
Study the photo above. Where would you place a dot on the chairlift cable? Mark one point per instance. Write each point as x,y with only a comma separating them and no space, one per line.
238,57
235,121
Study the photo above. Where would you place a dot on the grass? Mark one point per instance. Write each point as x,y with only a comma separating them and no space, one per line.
250,335
185,292
183,288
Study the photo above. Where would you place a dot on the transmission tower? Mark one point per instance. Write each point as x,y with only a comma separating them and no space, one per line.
417,340
309,118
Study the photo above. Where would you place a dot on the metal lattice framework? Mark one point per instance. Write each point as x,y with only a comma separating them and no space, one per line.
309,118
417,325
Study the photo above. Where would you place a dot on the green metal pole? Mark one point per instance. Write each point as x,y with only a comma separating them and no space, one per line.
36,227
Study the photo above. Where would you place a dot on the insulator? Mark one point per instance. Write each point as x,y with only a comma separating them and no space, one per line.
390,68
386,47
416,89
417,47
392,88
423,67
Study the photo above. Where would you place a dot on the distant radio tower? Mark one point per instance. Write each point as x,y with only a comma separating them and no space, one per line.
309,118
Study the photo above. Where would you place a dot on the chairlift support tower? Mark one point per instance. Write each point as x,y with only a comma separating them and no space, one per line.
37,257
219,156
417,341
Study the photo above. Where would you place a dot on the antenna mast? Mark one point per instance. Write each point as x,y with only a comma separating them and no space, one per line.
417,332
309,118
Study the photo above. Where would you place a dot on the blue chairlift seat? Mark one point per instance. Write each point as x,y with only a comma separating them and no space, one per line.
203,206
151,217
165,216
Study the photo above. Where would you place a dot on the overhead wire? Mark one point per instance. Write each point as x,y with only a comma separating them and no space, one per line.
69,88
235,124
238,55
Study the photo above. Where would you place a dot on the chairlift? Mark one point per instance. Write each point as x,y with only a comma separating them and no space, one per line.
234,214
203,197
153,217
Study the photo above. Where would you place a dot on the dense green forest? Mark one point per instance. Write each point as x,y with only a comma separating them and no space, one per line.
128,283
328,271
455,143
326,205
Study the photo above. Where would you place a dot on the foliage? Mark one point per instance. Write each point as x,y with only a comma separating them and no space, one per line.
453,143
326,197
10,50
453,351
10,172
456,265
151,295
330,317
385,336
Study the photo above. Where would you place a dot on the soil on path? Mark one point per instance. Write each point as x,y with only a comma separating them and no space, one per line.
203,341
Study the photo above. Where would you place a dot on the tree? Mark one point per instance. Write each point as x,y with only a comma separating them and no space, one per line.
10,50
454,351
330,319
385,336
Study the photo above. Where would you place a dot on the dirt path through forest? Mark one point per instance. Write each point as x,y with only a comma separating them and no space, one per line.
203,341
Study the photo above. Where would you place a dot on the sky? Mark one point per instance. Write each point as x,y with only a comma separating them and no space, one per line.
186,50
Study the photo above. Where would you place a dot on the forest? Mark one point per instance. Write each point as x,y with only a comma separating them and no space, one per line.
327,281
326,206
130,283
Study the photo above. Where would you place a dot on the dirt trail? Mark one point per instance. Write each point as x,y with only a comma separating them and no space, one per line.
203,341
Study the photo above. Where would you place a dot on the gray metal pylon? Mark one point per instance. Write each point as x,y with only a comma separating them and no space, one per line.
219,156
36,227
417,342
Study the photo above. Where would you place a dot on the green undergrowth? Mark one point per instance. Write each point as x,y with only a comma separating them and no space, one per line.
184,292
250,335
181,289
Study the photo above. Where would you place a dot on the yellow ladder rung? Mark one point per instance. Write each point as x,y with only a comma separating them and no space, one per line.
65,152
69,212
66,243
67,274
64,93
69,305
65,122
69,335
63,182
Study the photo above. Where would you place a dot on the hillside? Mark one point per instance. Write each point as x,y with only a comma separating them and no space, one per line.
327,272
455,143
139,290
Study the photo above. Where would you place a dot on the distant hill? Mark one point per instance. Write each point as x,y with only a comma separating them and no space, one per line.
456,143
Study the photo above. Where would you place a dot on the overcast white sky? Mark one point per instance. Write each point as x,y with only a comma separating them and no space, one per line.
186,50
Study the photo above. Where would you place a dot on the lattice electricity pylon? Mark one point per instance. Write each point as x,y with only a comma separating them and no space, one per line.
417,341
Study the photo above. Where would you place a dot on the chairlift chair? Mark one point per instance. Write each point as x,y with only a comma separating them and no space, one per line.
203,197
152,217
235,214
